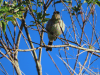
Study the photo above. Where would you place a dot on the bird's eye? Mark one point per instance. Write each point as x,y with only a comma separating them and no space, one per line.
56,12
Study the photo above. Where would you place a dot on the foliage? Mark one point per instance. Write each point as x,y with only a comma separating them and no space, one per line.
74,39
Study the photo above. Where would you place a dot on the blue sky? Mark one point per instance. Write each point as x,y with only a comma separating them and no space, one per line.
25,59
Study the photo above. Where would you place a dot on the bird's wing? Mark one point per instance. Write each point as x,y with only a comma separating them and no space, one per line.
49,25
62,25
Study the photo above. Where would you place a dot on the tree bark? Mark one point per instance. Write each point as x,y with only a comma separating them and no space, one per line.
17,68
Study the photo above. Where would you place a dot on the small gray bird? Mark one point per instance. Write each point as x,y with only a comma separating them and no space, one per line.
55,27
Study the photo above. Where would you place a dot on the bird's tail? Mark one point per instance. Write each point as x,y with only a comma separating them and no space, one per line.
49,48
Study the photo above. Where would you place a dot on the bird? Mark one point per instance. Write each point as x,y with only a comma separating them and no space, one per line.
55,27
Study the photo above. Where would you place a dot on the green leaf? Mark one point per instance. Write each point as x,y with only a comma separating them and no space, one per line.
14,23
61,2
9,18
92,1
88,1
39,3
2,10
1,14
39,15
73,13
98,3
16,10
34,11
25,2
5,3
45,20
45,14
3,26
76,9
0,24
12,19
9,13
1,2
21,7
19,14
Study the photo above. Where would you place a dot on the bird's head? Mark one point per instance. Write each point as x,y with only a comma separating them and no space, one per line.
56,15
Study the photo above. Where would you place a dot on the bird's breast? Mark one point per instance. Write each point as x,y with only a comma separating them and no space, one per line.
55,27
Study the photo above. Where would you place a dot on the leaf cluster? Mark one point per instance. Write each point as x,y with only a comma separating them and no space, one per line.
8,12
92,1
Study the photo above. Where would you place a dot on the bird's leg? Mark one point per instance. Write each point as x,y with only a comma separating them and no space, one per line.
49,48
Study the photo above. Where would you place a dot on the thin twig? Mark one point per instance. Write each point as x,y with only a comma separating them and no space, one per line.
67,65
4,69
54,63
